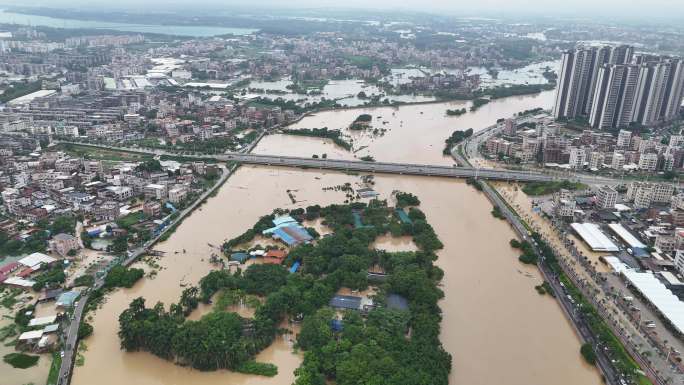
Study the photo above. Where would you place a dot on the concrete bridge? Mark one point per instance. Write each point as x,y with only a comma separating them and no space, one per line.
348,165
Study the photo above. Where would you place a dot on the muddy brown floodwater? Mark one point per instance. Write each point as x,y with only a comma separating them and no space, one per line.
495,325
414,133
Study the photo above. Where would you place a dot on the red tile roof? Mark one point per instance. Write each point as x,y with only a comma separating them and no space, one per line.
8,268
279,254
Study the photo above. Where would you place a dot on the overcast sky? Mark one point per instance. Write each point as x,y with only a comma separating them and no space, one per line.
634,8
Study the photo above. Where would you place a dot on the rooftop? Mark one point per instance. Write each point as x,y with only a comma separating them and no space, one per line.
594,237
36,259
345,302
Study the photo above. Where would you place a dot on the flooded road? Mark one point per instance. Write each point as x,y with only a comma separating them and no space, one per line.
413,133
496,326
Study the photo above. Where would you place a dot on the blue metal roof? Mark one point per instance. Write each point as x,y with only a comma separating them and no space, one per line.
285,237
284,219
336,325
403,216
239,257
295,267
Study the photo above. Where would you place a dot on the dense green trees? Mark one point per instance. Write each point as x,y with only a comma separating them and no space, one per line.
18,89
84,280
264,279
264,223
120,276
546,188
119,245
406,199
456,137
20,360
456,112
11,246
334,135
361,122
63,224
51,278
151,165
378,349
85,330
588,353
477,103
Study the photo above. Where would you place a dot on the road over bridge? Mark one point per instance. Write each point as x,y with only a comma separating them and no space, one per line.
350,165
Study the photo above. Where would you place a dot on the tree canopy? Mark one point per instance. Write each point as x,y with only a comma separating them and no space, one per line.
386,346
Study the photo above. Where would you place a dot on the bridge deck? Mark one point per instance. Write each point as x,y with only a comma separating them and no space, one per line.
353,165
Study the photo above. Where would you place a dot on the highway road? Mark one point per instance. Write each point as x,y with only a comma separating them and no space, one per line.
351,165
612,377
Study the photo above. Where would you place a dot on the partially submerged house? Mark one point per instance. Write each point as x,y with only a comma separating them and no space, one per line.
289,231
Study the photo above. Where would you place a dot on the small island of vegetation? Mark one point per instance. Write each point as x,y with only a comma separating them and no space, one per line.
334,135
361,122
456,112
395,344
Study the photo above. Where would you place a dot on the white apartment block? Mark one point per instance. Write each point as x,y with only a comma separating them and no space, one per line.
679,261
177,194
644,194
606,197
596,160
677,202
577,158
618,161
624,138
648,162
676,140
666,243
156,191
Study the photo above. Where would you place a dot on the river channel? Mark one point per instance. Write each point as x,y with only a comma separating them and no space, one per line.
413,133
498,329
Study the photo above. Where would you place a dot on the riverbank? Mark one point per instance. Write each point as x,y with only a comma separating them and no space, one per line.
474,261
410,133
402,104
480,267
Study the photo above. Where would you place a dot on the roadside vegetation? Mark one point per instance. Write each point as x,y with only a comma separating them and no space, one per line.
53,375
546,188
587,352
620,358
120,276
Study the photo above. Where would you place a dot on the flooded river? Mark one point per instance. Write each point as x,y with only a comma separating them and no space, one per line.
498,329
414,133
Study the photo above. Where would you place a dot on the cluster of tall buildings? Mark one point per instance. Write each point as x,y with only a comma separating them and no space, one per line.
613,87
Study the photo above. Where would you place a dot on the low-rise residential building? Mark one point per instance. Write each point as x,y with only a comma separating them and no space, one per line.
665,243
64,243
156,191
152,209
178,194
